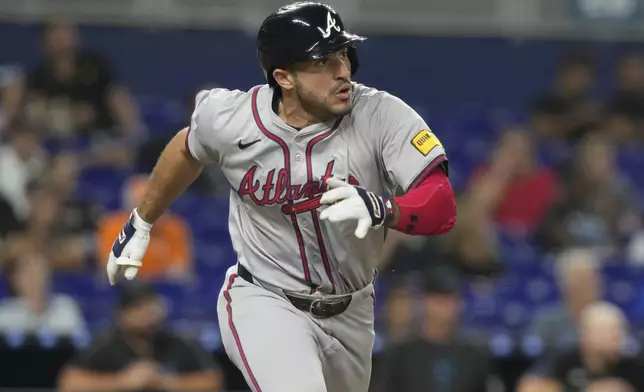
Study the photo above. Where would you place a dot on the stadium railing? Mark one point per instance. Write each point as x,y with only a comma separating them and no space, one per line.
514,18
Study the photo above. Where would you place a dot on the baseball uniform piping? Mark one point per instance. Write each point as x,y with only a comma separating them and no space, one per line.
229,309
314,213
428,169
287,167
186,141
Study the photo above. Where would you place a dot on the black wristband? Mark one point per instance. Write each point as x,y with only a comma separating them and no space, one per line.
375,205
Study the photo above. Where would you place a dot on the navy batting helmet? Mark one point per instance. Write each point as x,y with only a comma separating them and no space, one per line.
303,31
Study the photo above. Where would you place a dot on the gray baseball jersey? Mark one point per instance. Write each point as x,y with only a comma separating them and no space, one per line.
276,173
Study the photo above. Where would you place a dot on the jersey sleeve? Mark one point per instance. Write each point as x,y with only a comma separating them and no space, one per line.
409,149
212,110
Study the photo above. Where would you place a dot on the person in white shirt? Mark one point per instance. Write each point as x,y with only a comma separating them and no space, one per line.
33,308
12,91
22,161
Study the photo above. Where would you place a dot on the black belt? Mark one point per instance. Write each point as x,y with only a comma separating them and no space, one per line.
319,308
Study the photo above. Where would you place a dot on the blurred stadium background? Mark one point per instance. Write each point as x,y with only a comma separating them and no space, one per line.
539,103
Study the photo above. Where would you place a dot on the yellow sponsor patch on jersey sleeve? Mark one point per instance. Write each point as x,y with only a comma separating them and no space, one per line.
425,141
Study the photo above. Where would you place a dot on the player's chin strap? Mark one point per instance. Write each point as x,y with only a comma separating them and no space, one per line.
349,202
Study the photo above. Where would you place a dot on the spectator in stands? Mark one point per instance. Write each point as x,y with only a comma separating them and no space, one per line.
597,209
609,385
60,224
74,90
568,112
169,254
625,111
598,356
9,224
403,254
442,358
76,217
471,245
32,307
22,161
580,284
141,354
11,95
513,189
74,95
398,317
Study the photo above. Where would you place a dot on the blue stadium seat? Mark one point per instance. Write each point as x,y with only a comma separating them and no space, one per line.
162,115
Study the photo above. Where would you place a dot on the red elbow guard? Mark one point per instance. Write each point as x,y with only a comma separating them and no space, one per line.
428,209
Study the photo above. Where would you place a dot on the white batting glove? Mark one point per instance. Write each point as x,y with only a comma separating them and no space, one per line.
350,202
129,248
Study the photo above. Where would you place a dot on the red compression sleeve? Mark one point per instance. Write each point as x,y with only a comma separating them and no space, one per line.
428,209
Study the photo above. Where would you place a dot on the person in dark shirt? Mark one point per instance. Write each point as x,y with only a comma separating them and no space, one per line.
440,359
625,110
61,222
140,354
598,206
9,222
74,90
12,89
567,112
609,385
598,357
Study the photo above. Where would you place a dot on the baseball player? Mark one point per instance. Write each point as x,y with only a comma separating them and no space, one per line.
312,159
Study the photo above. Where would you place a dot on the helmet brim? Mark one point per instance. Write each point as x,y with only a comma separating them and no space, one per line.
325,48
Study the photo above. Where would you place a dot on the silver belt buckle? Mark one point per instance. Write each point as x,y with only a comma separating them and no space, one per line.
312,307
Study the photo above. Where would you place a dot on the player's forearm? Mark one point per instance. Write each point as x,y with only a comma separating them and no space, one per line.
429,209
173,174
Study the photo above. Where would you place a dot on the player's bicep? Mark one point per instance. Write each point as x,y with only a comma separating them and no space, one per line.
410,150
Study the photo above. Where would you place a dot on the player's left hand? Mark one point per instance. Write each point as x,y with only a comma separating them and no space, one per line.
349,202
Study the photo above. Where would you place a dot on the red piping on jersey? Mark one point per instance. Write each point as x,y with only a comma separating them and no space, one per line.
314,213
420,178
287,167
229,309
428,209
186,141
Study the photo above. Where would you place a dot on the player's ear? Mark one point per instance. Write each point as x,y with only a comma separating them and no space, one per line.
283,78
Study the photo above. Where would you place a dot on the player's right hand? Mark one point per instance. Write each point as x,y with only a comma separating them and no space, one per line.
128,249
